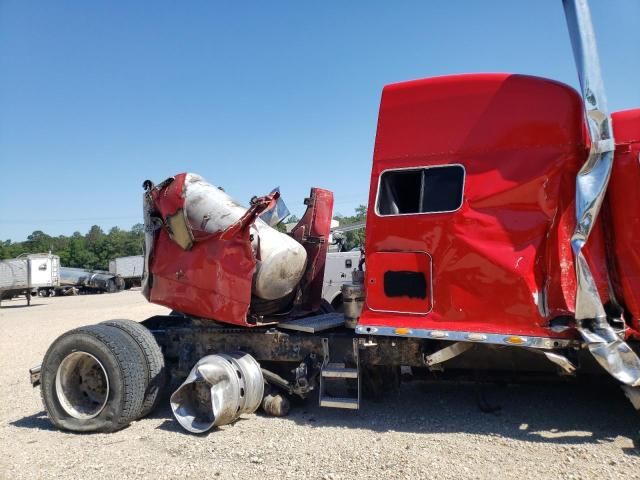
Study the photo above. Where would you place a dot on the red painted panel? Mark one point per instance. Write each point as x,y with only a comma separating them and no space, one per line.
211,279
624,210
379,263
312,231
502,263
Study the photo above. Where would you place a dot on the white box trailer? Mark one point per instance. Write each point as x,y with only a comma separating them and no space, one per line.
28,274
129,268
338,272
44,270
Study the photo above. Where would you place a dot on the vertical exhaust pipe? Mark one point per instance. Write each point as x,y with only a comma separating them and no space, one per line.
611,352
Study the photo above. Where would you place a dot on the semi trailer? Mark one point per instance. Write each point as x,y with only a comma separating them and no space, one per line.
129,269
28,275
493,245
90,281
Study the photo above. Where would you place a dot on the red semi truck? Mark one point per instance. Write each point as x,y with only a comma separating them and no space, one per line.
492,244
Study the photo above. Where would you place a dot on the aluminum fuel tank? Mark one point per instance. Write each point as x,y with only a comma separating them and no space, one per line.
280,260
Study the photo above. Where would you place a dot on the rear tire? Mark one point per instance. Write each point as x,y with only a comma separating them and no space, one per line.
92,380
153,360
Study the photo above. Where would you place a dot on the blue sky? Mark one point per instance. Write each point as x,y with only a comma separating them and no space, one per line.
96,97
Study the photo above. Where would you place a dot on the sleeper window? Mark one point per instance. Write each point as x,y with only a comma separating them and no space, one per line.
424,190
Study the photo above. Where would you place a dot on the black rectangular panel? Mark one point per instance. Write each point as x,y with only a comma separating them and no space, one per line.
405,284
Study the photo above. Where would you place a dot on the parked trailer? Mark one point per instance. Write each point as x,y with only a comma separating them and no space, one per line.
338,271
341,265
14,279
90,281
128,268
29,274
44,269
485,251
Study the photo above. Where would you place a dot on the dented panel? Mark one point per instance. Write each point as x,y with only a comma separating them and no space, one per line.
209,257
208,276
624,211
502,262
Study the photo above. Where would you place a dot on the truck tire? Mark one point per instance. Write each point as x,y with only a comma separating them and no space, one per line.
92,380
153,360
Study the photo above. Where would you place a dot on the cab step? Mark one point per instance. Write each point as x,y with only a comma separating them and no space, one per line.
339,402
338,372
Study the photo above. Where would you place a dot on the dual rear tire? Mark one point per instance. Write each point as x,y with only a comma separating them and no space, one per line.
102,377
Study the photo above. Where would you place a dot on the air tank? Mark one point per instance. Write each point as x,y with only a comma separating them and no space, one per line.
280,260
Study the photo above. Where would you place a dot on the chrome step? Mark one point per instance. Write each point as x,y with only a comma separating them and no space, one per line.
339,402
335,372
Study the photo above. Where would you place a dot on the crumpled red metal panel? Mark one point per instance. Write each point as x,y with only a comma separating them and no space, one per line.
312,231
212,277
212,280
503,262
623,200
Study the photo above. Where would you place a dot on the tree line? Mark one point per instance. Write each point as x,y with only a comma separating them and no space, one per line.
354,238
91,251
94,249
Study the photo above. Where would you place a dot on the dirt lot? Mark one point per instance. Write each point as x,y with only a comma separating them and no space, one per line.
428,431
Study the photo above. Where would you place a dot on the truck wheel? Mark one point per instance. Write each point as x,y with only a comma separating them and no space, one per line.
92,380
154,361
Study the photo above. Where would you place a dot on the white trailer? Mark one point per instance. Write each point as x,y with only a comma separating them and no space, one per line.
339,267
338,271
44,271
28,274
129,268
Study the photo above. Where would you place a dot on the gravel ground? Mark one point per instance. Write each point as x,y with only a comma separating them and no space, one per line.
427,431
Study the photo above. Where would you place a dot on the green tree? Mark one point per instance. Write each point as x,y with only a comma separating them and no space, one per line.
92,250
354,238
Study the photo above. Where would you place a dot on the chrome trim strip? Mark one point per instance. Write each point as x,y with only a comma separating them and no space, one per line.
546,343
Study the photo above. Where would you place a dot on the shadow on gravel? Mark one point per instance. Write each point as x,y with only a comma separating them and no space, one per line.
38,421
170,424
556,414
560,414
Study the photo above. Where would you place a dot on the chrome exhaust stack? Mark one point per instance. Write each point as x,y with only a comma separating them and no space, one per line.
605,343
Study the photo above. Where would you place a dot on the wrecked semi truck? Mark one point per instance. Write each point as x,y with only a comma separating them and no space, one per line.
492,245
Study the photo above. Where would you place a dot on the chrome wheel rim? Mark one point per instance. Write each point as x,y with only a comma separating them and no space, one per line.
82,385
